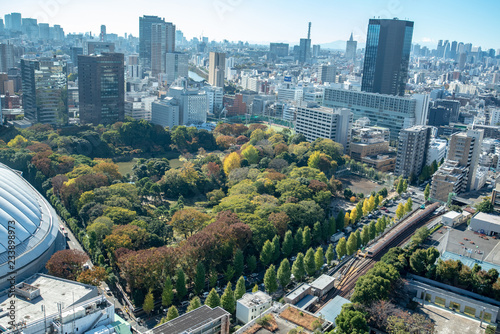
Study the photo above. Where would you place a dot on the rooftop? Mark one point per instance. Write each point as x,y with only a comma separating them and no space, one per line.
189,322
332,309
452,214
494,219
322,282
53,290
300,289
254,299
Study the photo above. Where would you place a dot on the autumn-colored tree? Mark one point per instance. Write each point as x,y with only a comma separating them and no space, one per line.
347,219
280,221
149,302
188,221
67,263
341,248
251,154
400,211
225,142
93,276
109,169
231,162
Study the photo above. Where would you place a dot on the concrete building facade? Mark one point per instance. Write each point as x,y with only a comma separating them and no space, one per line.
412,151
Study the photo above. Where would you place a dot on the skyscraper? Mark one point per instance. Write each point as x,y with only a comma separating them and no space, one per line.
412,151
278,49
101,88
465,148
102,35
217,63
350,49
145,24
388,47
162,42
176,65
305,47
327,73
45,91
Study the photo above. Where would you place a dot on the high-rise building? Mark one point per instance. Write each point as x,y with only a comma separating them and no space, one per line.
319,122
145,24
162,42
305,47
443,112
393,112
7,59
316,50
30,28
134,69
176,65
75,51
44,31
327,73
412,151
279,49
102,35
387,55
2,26
13,22
215,97
217,63
193,104
465,147
101,88
350,49
45,91
96,48
165,113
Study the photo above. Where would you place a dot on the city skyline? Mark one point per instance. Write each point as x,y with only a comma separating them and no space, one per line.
257,22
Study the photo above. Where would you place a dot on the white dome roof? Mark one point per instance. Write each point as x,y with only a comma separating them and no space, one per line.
36,226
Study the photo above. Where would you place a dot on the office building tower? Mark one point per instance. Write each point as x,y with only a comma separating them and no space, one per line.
101,88
215,98
44,31
217,63
57,33
102,35
440,49
278,49
436,151
193,104
45,91
327,73
319,122
165,113
134,69
393,112
162,42
2,26
75,51
176,65
7,59
30,28
450,178
8,21
316,50
465,147
145,24
13,22
453,50
305,47
443,112
387,55
350,49
97,48
412,151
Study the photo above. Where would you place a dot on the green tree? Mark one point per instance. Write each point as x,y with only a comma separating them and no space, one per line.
319,258
167,295
276,248
212,278
358,239
199,278
373,230
172,313
409,205
351,244
213,299
427,192
240,290
284,273
340,220
298,269
400,211
309,263
341,248
351,321
333,226
485,206
306,237
238,263
255,288
270,279
149,302
251,154
229,273
297,242
400,188
418,261
287,246
180,284
194,304
227,300
266,255
330,255
317,233
251,263
359,210
365,235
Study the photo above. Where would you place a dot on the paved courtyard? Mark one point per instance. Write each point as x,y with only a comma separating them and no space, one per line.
448,322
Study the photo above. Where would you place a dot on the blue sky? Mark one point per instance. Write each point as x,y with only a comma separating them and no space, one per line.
276,20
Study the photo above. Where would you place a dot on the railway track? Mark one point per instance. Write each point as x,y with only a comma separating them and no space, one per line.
357,268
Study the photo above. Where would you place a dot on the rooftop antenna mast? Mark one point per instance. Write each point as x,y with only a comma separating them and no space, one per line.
309,31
